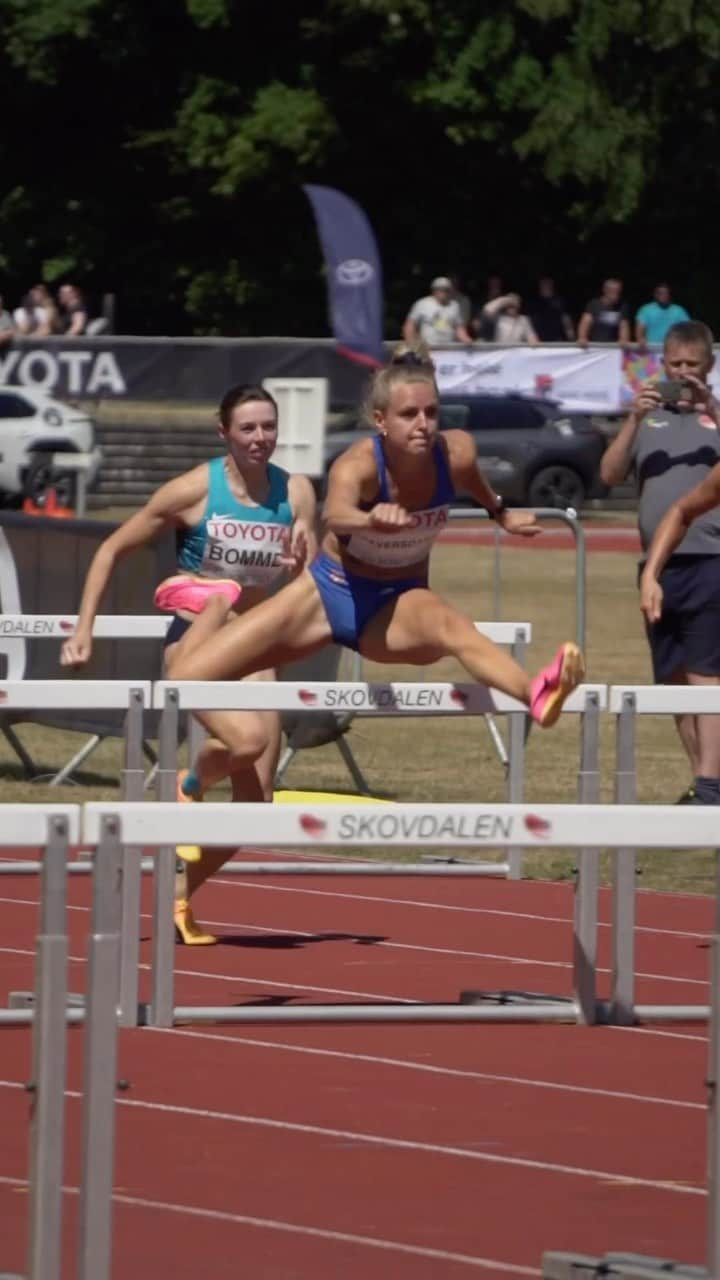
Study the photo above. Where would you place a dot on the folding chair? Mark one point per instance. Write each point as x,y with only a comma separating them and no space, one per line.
304,730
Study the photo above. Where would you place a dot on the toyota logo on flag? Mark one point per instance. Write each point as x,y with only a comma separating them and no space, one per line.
354,271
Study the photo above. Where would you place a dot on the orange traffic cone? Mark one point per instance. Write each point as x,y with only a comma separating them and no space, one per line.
48,506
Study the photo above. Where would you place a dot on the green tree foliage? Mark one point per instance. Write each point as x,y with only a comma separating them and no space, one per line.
158,150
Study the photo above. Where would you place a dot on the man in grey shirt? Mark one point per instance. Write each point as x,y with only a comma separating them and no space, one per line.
436,318
671,440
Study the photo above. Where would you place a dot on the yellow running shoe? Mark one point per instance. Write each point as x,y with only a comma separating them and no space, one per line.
187,929
188,852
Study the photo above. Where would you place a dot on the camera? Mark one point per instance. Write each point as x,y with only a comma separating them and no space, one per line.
674,390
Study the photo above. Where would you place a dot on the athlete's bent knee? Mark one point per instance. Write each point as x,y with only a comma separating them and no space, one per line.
248,745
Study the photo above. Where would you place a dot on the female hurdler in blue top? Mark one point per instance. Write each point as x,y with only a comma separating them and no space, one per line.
387,502
239,523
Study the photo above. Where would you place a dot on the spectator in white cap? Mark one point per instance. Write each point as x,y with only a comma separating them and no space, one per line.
436,319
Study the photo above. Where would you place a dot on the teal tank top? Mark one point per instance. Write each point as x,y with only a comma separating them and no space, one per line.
236,541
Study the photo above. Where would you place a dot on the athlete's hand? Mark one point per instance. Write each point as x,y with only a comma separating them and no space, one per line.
77,650
389,516
296,552
651,598
520,522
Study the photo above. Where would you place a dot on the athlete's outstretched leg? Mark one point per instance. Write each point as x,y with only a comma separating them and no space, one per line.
289,625
421,628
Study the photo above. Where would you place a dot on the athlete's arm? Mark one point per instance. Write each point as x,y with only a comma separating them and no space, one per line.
354,471
164,508
466,475
303,537
668,536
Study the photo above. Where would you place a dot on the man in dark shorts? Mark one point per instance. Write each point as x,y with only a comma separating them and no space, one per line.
671,440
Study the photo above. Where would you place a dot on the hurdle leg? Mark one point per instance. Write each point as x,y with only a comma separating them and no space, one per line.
622,996
713,1139
588,871
515,786
49,1062
98,1142
133,789
160,1013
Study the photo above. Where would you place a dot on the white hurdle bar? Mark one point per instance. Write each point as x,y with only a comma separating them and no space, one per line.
626,702
305,827
60,626
376,699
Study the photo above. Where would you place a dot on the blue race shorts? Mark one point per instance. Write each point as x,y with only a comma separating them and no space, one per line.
351,601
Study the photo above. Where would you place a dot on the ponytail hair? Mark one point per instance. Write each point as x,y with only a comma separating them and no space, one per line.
409,362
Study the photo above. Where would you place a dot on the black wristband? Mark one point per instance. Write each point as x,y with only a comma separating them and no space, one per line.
498,509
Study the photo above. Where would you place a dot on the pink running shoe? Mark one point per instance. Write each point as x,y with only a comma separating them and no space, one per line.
554,683
192,595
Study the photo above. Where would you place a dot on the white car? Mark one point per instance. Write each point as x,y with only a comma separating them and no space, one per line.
34,428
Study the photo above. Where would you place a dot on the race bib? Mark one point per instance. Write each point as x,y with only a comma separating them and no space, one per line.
402,548
250,551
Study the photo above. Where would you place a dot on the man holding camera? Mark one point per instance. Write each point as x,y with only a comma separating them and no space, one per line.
671,439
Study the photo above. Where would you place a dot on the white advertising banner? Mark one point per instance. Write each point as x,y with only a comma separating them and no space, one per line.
581,381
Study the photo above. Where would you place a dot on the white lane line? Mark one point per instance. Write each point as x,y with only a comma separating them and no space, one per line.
387,1142
439,906
431,1069
254,982
405,946
668,1035
302,1229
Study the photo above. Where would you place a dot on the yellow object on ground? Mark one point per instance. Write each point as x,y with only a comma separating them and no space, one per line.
324,797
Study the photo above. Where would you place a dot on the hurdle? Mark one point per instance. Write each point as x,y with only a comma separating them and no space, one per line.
32,626
53,828
626,702
170,698
132,697
107,828
304,827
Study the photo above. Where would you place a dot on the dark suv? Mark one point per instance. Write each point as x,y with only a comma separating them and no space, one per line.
532,452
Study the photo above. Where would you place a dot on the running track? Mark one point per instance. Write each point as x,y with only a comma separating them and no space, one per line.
400,1151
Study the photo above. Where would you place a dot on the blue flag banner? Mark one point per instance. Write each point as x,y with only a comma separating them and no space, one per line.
354,274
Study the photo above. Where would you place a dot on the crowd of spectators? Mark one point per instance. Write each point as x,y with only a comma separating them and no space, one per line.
42,315
447,314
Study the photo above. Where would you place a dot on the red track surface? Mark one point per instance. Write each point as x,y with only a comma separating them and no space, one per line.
396,1151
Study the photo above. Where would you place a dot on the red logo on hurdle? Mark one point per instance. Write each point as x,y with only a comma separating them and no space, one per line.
64,625
538,826
457,695
311,825
3,695
308,697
